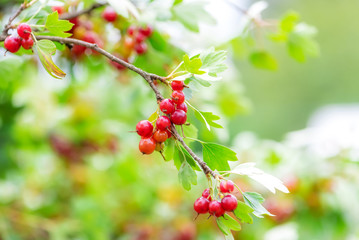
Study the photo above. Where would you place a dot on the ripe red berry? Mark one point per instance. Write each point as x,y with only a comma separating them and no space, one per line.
24,30
226,186
169,134
147,145
229,203
163,122
201,205
131,30
146,31
167,106
178,97
141,48
140,38
215,208
177,85
160,136
179,117
59,9
206,194
12,44
182,106
27,43
109,14
144,128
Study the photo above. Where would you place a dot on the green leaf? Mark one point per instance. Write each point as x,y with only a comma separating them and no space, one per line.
56,26
223,227
44,49
263,60
213,61
242,212
301,43
231,223
207,118
192,65
254,200
190,131
210,118
187,176
190,14
289,21
153,116
199,80
217,156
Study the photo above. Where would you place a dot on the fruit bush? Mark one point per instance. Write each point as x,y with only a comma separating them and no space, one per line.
68,155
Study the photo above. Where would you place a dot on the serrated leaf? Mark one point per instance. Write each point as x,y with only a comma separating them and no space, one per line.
44,49
242,212
124,8
210,118
213,61
231,223
192,65
254,200
191,13
263,60
56,26
187,176
217,156
268,181
198,80
207,118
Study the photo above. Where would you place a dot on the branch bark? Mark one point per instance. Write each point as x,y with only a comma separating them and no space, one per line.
68,16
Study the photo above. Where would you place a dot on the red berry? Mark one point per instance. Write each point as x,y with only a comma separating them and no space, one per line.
147,31
147,145
201,205
167,106
169,134
59,9
24,30
144,128
141,48
177,85
160,136
140,38
178,97
27,43
206,194
131,30
163,122
12,44
215,208
109,14
182,106
226,186
229,203
179,117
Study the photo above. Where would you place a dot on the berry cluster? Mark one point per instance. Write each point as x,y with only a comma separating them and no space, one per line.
176,113
207,204
13,43
136,37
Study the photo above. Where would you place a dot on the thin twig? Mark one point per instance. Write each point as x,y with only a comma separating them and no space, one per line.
68,16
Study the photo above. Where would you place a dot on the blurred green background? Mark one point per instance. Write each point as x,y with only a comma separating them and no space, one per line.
69,163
